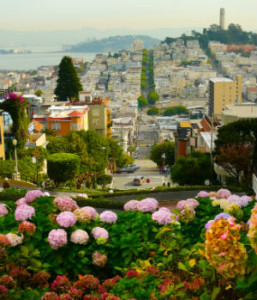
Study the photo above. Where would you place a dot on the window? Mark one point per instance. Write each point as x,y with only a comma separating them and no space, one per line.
96,112
56,126
95,122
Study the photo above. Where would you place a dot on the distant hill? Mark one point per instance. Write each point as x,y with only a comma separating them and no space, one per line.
25,39
114,43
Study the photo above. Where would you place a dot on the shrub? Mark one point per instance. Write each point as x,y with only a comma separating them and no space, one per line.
62,167
104,179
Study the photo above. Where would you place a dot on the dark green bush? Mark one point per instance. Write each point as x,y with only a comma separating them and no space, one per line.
62,167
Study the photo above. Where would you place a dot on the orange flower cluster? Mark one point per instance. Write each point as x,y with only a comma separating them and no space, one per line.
223,249
252,234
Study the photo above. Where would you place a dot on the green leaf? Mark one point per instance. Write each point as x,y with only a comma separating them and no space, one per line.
215,293
181,266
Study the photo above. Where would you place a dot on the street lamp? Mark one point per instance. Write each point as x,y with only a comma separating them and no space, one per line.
16,174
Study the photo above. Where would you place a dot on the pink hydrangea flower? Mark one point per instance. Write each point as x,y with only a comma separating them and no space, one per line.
165,209
99,232
15,239
181,204
65,203
202,194
233,199
244,200
162,217
3,210
147,205
108,216
131,205
24,212
31,195
91,211
110,191
21,201
192,202
223,193
66,219
79,236
57,238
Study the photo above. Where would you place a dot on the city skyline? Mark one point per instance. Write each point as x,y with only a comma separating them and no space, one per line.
40,15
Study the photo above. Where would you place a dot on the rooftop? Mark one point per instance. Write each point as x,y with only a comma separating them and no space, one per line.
220,79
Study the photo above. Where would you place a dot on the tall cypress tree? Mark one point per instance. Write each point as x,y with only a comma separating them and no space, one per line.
68,83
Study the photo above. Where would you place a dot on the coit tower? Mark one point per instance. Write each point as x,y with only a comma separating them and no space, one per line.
222,18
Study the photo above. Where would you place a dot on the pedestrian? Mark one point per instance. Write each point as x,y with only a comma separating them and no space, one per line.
168,184
163,184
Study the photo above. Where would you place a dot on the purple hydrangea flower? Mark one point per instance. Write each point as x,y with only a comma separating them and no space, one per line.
99,232
108,216
24,212
131,205
57,238
165,209
222,215
66,219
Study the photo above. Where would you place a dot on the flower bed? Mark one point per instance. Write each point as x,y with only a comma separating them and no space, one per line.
202,249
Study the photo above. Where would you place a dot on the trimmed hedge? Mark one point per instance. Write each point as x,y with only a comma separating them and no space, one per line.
12,194
62,167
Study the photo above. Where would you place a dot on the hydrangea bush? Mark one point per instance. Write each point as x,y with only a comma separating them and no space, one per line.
152,252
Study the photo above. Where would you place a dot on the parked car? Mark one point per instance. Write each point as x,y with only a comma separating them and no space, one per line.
138,180
136,167
125,169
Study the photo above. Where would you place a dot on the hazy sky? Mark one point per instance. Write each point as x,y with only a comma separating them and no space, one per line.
135,14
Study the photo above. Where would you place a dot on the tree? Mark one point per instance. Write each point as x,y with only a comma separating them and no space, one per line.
177,110
152,97
153,111
62,167
38,93
163,152
68,83
235,159
142,102
193,169
240,140
103,180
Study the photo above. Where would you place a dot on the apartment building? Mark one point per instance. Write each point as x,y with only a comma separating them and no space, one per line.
223,91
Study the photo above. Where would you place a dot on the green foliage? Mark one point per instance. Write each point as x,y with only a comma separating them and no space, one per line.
12,194
104,179
233,35
159,149
62,167
177,110
153,97
142,102
68,83
38,93
153,111
193,169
